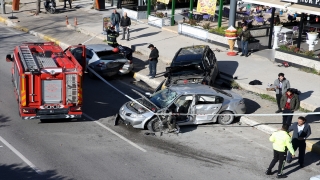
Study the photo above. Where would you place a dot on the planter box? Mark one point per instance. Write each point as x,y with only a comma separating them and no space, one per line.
158,22
193,31
219,39
297,59
135,15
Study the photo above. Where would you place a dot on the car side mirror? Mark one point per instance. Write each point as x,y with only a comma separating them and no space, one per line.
9,58
148,94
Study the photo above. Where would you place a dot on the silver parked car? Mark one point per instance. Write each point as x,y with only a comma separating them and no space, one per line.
209,104
104,60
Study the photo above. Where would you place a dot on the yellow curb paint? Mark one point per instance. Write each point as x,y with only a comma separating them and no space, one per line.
2,19
134,75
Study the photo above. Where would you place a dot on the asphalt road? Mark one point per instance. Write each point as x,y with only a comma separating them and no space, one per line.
92,148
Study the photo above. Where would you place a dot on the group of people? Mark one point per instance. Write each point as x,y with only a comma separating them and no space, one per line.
124,22
116,22
288,102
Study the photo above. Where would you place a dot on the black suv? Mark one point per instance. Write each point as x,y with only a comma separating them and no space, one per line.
194,64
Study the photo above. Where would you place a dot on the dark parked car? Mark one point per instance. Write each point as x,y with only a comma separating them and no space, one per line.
194,64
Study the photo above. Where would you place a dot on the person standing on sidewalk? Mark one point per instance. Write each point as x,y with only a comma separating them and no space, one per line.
153,60
301,131
245,36
281,142
289,103
115,19
125,23
65,3
282,85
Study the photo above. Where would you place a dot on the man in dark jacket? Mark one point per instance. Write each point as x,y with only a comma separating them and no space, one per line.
281,85
153,60
245,36
301,131
125,23
289,103
115,19
112,37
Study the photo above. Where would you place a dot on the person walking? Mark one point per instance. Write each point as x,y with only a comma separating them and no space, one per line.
153,60
115,19
245,36
65,3
112,37
289,103
119,4
301,131
281,142
125,23
281,85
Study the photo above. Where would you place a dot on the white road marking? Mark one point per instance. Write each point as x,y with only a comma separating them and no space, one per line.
115,133
19,34
1,146
23,158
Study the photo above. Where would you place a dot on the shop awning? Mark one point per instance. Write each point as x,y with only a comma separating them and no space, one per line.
304,9
270,3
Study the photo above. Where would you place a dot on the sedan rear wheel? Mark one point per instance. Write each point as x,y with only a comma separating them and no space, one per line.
225,118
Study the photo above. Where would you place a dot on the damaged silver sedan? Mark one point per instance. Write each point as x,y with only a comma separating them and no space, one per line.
191,104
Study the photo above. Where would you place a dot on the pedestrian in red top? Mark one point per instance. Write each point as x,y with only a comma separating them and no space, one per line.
289,103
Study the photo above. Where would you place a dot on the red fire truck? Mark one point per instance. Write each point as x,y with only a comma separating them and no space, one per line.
47,81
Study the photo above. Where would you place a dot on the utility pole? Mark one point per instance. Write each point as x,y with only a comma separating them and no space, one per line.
148,7
172,11
220,12
3,7
191,9
38,6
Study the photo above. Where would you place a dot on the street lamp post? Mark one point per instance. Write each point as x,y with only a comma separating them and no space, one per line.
172,11
191,9
148,7
220,12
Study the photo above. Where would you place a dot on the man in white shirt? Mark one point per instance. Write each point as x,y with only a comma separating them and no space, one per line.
301,131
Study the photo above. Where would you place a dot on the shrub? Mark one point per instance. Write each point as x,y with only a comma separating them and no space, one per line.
206,26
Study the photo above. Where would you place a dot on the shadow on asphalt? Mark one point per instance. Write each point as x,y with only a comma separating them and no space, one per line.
309,159
3,119
16,171
228,67
252,106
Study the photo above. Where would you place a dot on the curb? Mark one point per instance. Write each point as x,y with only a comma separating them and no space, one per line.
311,146
142,49
248,87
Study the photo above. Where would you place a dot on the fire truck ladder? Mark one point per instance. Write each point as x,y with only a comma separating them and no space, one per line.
28,60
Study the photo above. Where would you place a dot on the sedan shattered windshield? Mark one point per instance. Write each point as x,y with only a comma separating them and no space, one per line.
163,98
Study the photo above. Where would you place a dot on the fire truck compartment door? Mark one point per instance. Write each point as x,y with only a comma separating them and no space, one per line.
51,91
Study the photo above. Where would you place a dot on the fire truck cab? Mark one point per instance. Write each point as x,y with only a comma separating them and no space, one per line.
47,81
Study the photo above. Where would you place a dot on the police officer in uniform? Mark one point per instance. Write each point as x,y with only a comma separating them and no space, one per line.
112,37
281,143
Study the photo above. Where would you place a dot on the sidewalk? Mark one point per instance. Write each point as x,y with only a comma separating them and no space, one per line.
52,27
